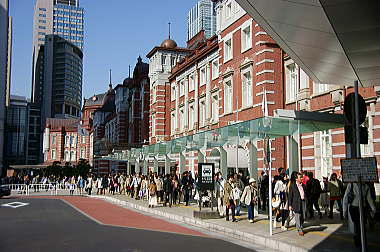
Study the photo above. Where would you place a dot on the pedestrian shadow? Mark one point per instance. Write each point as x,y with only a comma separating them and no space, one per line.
314,229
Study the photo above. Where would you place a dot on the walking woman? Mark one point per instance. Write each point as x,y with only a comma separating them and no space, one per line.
336,193
152,195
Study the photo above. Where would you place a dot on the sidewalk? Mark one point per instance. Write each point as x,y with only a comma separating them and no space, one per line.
321,235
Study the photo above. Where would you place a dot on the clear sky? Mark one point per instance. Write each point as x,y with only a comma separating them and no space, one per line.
116,33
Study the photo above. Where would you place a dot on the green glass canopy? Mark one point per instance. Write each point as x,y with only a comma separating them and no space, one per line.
256,129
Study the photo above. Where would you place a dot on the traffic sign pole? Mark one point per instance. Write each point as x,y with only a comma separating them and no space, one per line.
358,155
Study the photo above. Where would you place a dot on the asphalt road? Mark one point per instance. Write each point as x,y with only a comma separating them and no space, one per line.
53,225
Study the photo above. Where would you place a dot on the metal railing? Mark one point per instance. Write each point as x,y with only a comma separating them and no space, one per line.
50,188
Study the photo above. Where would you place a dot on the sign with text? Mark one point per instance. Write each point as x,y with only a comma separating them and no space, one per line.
353,168
206,173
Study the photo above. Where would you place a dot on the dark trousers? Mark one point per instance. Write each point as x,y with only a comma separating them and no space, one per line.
355,217
264,201
89,191
168,198
339,201
186,195
313,202
232,206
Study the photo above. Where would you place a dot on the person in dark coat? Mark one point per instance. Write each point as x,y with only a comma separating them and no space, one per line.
313,192
186,187
168,190
297,203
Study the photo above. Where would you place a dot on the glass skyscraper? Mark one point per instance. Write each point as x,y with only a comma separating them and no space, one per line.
201,17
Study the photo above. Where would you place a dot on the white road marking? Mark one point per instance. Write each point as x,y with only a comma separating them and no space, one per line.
15,204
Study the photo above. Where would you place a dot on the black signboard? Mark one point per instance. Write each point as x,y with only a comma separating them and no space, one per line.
206,173
353,168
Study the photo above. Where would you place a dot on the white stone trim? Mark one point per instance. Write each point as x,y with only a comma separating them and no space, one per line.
265,71
376,140
308,158
337,132
261,42
338,144
265,61
307,147
260,104
376,127
264,50
307,136
339,156
268,92
260,33
264,81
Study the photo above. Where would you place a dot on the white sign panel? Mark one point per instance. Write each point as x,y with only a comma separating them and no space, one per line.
353,168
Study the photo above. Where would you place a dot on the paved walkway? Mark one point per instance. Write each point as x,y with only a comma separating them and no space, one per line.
321,235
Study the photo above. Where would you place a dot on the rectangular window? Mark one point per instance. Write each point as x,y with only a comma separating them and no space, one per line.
53,140
228,10
42,21
53,154
246,41
182,88
215,69
82,154
247,89
73,156
153,125
191,117
172,59
173,93
173,122
227,97
191,83
202,113
292,82
320,88
163,59
215,109
41,27
228,50
203,76
83,139
181,120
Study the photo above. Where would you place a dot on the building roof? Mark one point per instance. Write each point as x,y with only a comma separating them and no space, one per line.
95,100
58,123
161,48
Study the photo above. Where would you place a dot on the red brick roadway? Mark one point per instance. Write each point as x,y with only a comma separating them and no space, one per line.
113,215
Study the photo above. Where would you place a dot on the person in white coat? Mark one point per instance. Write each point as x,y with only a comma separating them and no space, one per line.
249,198
351,208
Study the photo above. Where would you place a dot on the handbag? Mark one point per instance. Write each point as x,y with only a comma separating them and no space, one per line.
276,201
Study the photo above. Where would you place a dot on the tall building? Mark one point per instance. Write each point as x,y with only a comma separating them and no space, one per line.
201,17
16,129
62,79
57,64
59,17
4,69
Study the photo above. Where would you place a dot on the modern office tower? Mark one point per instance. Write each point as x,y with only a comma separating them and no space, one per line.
201,17
16,130
62,79
4,70
59,17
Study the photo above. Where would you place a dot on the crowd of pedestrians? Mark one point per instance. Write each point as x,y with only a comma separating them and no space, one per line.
296,196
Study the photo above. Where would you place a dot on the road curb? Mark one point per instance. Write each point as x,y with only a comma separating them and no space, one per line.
233,233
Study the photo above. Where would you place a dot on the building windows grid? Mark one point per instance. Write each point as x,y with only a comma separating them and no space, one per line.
292,82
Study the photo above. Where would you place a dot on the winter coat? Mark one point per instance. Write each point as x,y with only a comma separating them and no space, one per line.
227,193
249,195
336,189
294,199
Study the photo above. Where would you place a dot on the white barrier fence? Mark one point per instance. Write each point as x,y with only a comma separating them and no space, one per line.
51,188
